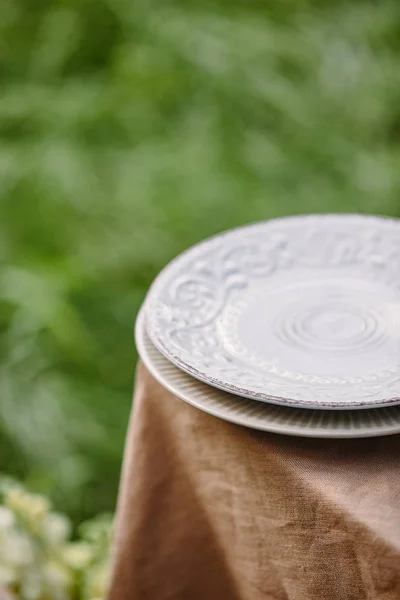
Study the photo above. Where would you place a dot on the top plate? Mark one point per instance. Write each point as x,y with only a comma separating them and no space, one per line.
302,311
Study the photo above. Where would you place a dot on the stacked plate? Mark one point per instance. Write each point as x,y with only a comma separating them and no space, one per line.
290,325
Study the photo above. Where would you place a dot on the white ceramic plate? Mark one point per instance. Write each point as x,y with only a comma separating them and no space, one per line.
261,415
302,311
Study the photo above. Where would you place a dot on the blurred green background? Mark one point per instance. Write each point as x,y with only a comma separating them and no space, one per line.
131,130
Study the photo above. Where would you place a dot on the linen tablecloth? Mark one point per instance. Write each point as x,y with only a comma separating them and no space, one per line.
212,510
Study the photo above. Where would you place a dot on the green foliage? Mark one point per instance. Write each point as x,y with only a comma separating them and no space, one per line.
131,130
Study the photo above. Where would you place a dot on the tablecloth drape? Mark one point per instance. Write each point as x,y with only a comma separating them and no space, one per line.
212,510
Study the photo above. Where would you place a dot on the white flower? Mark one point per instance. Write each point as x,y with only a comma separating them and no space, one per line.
78,555
8,575
16,549
57,580
30,507
7,518
36,557
30,583
48,579
56,529
97,581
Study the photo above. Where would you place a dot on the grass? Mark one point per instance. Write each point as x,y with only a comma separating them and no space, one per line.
133,130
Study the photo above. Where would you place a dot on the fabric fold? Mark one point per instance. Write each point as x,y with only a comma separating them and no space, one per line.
208,509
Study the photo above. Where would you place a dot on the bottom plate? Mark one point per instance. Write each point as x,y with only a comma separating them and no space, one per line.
259,415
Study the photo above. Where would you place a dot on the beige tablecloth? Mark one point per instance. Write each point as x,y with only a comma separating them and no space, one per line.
212,510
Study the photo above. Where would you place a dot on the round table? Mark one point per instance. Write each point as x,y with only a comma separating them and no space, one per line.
212,510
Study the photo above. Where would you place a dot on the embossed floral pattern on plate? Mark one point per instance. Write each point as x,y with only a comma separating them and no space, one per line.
302,311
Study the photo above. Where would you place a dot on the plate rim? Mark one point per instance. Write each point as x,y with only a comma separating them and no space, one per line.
232,388
140,334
